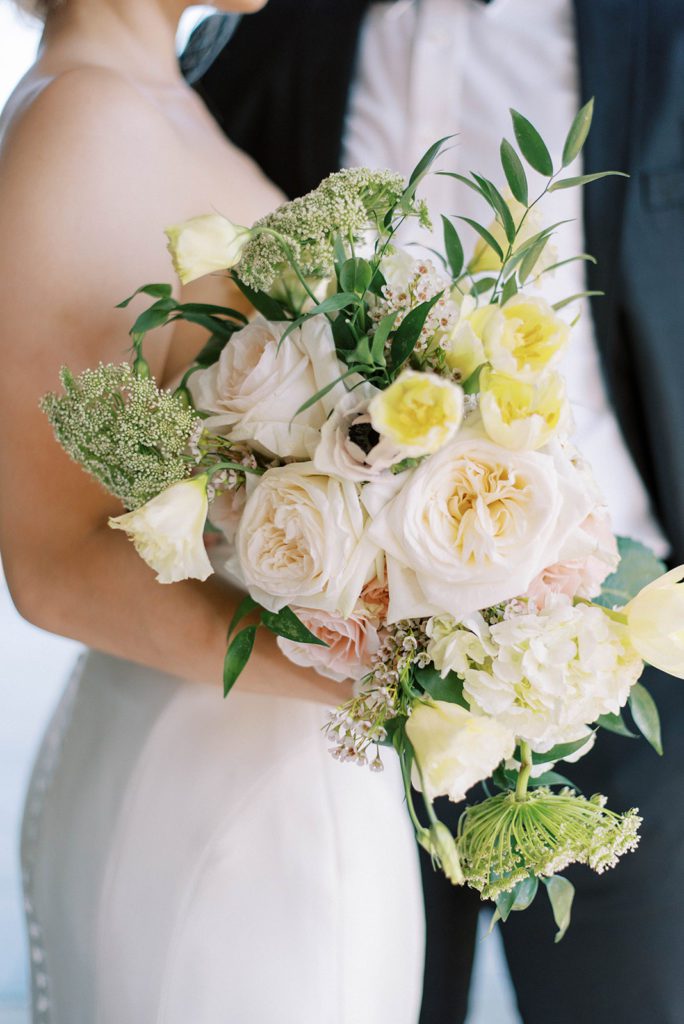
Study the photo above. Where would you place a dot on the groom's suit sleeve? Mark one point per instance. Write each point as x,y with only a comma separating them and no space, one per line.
279,87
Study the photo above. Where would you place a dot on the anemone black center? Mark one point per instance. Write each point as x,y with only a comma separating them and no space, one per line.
363,435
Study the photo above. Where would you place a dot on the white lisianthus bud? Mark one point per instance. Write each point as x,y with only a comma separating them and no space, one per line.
168,531
655,618
454,748
205,244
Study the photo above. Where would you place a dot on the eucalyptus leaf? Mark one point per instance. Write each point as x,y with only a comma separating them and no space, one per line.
237,657
584,179
531,144
561,893
616,724
514,171
638,567
646,717
452,247
158,291
579,129
485,235
355,276
286,624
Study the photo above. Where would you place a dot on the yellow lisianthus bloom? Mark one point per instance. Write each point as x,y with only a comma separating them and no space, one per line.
519,415
655,619
205,244
532,340
419,412
485,259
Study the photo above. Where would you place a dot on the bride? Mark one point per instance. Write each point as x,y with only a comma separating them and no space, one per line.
186,861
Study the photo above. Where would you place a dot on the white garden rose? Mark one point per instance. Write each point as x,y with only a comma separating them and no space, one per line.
474,524
349,446
302,541
205,244
254,390
454,748
168,531
554,672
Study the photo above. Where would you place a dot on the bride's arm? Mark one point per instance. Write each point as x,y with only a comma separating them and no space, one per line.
84,195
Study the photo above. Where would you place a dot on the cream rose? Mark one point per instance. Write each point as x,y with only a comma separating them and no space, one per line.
351,644
581,576
302,540
473,525
454,748
254,390
168,531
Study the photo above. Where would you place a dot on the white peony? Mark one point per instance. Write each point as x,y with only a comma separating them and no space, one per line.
168,531
302,541
454,748
550,674
254,390
474,524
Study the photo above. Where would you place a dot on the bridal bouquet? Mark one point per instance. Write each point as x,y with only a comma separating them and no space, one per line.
386,448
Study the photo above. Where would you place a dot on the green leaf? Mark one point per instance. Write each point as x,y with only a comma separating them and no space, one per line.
524,893
246,605
509,289
646,717
449,689
571,259
237,657
504,903
522,249
425,163
616,724
382,333
485,235
408,332
355,276
263,303
158,291
484,284
332,304
285,623
213,324
561,894
556,753
547,779
579,129
574,298
452,247
514,171
210,309
156,316
211,351
471,385
638,567
531,145
529,261
463,179
498,204
584,179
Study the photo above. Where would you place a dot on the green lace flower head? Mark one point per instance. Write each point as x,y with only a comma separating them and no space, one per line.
504,839
345,204
125,431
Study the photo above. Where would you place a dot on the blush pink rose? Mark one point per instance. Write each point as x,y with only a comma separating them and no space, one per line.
351,644
581,577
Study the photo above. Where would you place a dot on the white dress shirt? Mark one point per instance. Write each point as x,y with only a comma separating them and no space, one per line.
430,68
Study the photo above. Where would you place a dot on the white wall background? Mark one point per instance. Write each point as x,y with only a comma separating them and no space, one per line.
33,669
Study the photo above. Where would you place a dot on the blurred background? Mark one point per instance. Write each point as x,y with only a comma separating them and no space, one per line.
34,667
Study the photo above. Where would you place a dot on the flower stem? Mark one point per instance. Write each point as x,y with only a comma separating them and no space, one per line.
524,773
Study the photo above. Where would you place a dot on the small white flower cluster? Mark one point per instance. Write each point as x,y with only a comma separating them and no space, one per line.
360,723
409,283
124,430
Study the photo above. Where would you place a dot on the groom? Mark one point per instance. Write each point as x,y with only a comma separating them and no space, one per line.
307,85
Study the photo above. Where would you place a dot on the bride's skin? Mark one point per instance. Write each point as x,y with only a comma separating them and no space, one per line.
101,147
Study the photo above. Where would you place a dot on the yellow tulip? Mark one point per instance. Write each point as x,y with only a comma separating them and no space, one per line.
655,618
520,415
533,338
419,412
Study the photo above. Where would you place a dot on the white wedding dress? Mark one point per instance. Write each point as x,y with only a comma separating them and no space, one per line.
194,861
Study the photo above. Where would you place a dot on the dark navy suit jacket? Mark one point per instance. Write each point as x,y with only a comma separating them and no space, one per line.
279,88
